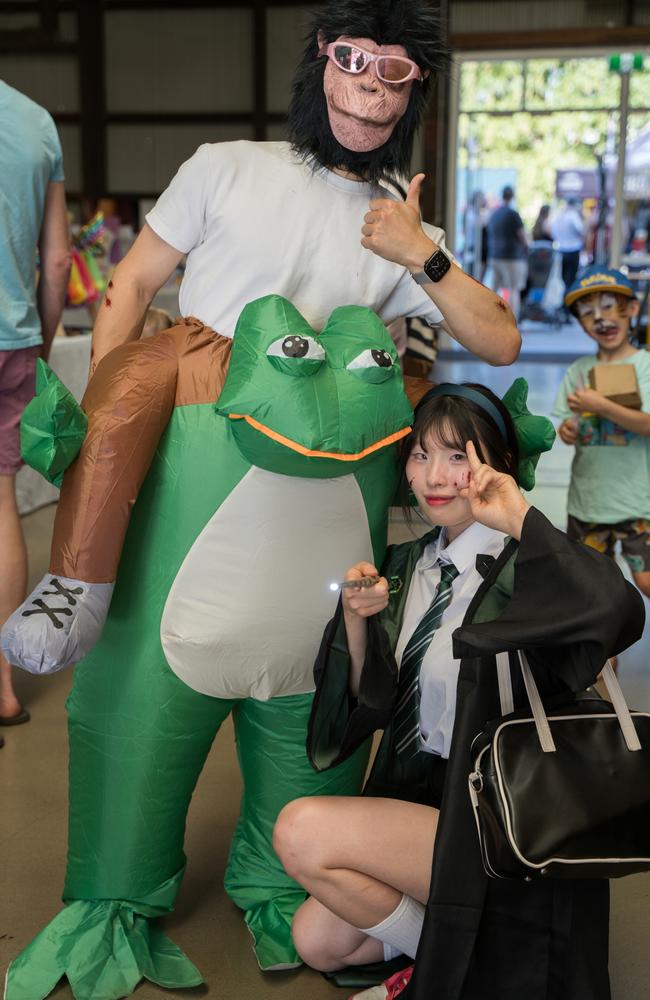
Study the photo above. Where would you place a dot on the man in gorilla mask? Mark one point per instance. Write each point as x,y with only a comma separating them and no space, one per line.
308,220
299,218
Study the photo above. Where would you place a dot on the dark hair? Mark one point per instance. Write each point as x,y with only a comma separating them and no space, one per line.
411,23
507,194
454,421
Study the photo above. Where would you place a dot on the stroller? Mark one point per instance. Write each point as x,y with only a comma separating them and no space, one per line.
544,293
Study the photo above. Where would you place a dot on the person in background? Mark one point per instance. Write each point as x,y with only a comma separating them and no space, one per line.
474,223
609,500
32,214
568,229
155,321
507,250
542,227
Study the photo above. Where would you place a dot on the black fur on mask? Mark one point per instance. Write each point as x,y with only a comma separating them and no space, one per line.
411,23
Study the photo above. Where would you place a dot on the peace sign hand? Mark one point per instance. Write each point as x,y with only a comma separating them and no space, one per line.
494,497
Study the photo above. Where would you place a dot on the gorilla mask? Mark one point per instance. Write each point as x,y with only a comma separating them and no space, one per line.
363,103
357,105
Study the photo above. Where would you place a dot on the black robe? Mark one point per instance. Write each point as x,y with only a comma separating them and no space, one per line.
569,608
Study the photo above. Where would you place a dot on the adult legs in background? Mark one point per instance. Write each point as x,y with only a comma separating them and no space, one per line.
359,858
570,264
13,582
510,275
17,380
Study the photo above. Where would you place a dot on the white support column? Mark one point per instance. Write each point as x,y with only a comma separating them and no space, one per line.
619,188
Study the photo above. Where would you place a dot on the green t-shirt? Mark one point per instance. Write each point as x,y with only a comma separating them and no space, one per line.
610,475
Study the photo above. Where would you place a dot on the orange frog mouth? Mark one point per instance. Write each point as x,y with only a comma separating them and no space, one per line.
313,453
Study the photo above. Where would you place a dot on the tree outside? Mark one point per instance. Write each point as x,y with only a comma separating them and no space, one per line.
532,117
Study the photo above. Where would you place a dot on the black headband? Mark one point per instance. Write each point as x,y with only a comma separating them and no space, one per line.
465,392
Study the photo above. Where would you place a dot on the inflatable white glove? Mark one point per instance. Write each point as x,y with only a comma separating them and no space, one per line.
57,625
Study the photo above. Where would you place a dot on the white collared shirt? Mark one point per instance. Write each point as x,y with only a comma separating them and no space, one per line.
439,671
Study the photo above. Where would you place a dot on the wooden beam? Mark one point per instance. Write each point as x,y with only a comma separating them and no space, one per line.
259,69
90,20
49,16
190,118
33,42
196,4
436,128
554,38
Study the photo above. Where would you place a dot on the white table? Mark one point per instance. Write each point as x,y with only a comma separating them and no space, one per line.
70,359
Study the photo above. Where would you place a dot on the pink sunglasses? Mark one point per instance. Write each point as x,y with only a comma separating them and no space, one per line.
352,59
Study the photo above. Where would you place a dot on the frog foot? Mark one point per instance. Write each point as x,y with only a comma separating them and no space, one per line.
270,926
104,948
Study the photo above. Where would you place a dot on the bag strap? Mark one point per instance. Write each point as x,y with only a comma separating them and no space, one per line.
547,743
505,683
620,707
539,715
613,689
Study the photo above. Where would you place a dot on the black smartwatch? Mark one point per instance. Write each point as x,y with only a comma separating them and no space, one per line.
433,269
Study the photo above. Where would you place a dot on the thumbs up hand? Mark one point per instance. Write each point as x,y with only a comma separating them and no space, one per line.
392,229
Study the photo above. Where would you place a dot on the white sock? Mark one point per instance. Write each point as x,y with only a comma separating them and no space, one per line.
401,929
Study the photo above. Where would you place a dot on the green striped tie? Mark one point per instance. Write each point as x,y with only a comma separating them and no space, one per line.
406,718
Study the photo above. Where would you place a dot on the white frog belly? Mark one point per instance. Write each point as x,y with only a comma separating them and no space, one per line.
246,612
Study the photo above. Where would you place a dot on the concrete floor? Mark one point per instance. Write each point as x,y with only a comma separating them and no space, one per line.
205,924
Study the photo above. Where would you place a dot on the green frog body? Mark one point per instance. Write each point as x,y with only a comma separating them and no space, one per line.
251,507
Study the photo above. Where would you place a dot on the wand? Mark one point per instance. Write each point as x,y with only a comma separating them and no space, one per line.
362,582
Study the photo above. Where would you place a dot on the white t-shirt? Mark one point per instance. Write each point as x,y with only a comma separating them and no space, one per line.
439,670
254,220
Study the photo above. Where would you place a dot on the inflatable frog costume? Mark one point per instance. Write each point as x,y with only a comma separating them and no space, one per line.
247,508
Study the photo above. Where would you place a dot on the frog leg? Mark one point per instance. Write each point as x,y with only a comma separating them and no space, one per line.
271,748
138,740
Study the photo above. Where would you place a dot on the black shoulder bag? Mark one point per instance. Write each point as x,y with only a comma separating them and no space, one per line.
563,794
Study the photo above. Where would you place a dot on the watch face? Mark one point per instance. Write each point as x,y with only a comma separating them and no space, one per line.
437,265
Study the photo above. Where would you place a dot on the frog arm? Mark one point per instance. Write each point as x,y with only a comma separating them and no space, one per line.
128,404
52,427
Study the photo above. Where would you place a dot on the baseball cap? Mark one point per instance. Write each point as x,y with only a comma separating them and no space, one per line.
599,279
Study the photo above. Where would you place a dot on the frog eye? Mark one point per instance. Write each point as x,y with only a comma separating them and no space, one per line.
373,365
296,355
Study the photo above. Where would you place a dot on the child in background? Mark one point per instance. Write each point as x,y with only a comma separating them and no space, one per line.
609,493
156,321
